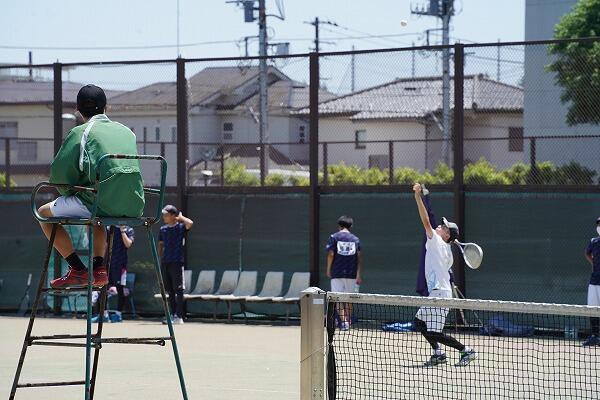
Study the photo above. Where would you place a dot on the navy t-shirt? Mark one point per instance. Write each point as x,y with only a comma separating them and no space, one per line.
345,247
172,237
593,249
118,257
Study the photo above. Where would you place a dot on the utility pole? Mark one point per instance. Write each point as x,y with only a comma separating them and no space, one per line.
498,61
262,87
263,134
178,50
412,60
316,23
353,71
443,9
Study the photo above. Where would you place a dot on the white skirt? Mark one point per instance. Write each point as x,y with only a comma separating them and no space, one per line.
435,317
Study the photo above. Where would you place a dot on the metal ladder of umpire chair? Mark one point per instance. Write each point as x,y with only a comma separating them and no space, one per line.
95,340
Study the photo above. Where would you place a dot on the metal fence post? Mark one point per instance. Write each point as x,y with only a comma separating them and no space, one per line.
391,161
58,137
182,142
314,192
325,162
7,163
533,172
223,166
312,344
182,135
261,157
458,141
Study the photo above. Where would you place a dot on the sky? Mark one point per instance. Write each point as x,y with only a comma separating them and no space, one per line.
69,32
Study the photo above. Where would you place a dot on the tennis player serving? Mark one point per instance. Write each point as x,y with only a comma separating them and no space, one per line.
429,321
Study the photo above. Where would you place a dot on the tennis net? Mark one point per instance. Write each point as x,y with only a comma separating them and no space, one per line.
522,350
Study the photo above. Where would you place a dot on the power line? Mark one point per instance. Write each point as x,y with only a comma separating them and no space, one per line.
166,46
159,46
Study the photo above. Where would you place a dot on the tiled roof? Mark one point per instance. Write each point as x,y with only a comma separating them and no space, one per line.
20,90
419,97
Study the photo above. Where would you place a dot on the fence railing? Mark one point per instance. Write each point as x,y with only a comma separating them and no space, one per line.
543,160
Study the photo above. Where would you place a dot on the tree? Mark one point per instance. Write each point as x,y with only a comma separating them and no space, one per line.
577,64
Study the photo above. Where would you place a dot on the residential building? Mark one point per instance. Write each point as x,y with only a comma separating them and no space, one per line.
223,119
359,127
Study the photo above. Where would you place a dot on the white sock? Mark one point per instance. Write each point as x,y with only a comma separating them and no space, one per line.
438,352
467,349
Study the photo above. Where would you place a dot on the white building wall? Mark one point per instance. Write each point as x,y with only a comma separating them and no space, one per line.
544,114
406,154
486,126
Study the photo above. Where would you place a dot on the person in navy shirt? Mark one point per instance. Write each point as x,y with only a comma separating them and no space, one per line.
170,248
123,237
592,254
344,265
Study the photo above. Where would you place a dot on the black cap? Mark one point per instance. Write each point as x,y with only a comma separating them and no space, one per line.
345,222
452,227
170,209
91,100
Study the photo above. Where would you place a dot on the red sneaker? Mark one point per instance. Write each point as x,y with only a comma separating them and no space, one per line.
100,277
72,280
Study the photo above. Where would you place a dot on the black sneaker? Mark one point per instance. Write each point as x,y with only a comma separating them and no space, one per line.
436,359
466,357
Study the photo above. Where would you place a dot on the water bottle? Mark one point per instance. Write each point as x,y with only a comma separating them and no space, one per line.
570,332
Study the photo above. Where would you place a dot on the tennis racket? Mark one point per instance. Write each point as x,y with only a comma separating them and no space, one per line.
472,254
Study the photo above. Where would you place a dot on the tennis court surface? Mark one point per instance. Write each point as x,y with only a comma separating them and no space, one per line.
220,361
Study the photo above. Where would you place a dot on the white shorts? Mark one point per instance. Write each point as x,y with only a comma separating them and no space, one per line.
69,207
344,285
434,317
593,295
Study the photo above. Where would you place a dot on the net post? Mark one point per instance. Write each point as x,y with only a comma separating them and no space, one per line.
312,347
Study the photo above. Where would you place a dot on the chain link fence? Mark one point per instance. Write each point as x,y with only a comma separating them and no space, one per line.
385,119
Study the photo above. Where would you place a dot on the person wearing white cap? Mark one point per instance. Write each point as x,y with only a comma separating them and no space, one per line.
429,321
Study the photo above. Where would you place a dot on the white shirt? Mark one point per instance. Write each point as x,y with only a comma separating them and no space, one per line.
438,260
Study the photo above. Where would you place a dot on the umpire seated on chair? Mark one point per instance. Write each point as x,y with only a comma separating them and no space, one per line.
120,191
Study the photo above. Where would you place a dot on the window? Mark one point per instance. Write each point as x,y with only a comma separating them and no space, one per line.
157,134
26,151
379,161
302,134
8,130
515,139
359,139
228,131
173,134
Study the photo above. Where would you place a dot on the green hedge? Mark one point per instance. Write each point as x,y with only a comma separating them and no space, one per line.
479,172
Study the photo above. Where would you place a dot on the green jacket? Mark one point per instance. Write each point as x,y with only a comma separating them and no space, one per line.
120,190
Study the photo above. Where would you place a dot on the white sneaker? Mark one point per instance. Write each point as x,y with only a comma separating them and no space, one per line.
345,326
177,321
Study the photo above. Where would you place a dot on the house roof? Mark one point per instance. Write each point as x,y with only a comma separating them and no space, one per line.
21,90
224,87
284,94
419,97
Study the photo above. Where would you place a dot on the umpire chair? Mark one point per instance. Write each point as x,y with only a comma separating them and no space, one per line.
96,340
